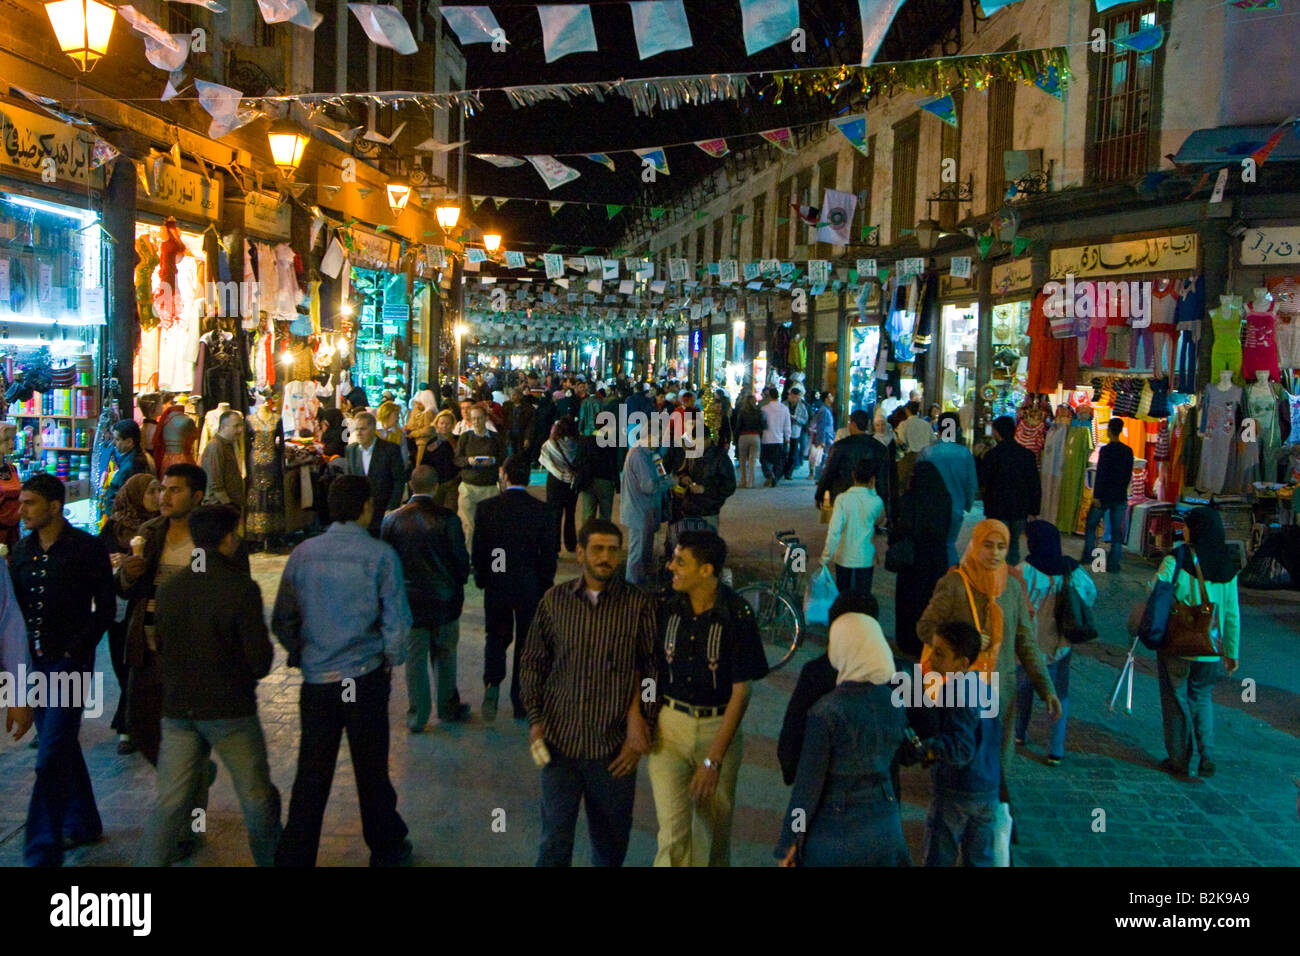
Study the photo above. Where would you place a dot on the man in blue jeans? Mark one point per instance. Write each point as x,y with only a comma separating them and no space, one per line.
64,584
213,645
645,482
1110,495
588,657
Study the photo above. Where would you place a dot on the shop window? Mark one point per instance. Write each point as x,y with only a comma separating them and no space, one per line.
1122,100
804,197
906,146
758,228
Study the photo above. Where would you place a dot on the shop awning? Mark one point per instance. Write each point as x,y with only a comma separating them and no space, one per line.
1233,143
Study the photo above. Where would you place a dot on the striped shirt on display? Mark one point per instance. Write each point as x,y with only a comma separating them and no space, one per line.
582,665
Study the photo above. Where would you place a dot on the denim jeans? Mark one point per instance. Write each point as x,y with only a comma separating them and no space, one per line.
772,457
1115,512
1187,707
641,551
508,618
796,454
183,761
431,647
568,782
63,803
325,714
954,529
597,500
955,822
1059,672
853,579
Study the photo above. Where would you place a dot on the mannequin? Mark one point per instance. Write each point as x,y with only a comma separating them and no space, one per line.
1226,352
1261,337
1219,412
1261,406
10,485
175,438
265,507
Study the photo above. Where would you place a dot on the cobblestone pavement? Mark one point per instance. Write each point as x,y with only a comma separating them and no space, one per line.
451,780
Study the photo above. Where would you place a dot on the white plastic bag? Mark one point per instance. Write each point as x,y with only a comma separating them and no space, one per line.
1002,835
821,594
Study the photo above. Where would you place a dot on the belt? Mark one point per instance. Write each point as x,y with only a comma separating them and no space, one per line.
693,710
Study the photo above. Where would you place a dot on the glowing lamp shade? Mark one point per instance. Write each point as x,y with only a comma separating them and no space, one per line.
491,241
448,216
287,147
398,195
82,28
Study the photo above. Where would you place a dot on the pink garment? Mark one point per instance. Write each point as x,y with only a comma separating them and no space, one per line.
1260,351
1163,329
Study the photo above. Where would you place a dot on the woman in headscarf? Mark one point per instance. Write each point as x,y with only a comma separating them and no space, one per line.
980,591
1044,573
924,513
135,504
439,452
1187,683
843,810
331,436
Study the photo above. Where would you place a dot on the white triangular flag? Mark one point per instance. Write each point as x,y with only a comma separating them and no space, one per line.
385,26
473,24
877,16
566,28
660,26
162,49
297,12
375,136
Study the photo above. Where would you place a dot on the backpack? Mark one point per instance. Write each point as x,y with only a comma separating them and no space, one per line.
1074,619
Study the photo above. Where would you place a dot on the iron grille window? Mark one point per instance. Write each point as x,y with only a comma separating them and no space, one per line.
907,136
1124,87
826,172
181,18
950,149
717,241
864,167
1002,105
699,246
758,229
783,211
737,219
803,196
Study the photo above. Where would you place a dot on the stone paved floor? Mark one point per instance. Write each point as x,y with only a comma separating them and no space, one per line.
451,780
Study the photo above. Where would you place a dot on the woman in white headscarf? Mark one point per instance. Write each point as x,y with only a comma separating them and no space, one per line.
843,810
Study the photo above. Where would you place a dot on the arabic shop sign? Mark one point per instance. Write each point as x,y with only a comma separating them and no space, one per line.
1164,254
29,138
1269,247
266,215
1013,276
174,191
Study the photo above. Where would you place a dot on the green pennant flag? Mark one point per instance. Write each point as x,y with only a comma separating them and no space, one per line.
427,234
657,211
741,218
867,231
701,214
555,206
781,220
381,228
611,210
499,202
553,248
882,274
477,201
585,249
1020,244
618,252
985,243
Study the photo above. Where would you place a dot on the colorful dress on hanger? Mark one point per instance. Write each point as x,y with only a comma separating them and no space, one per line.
1053,461
1261,405
1286,295
1219,425
1260,354
265,511
1078,449
1164,297
1226,351
178,344
1189,312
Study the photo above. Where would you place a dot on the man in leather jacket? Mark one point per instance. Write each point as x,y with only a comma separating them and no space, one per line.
430,542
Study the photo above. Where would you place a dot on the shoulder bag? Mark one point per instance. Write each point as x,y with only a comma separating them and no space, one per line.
1188,632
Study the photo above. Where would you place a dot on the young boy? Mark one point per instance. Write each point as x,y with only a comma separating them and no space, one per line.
855,516
967,766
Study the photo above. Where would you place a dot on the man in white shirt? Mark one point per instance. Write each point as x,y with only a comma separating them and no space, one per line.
776,437
915,433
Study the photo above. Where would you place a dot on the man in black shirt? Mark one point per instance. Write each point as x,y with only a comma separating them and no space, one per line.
64,584
708,652
1012,489
585,667
1110,495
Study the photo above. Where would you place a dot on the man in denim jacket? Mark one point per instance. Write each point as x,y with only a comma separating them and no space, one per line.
342,615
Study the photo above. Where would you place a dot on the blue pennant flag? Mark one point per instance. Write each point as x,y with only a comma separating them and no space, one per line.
660,26
1049,81
766,22
1144,41
993,6
942,107
566,28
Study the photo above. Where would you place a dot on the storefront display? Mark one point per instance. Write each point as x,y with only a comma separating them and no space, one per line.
381,349
864,345
53,265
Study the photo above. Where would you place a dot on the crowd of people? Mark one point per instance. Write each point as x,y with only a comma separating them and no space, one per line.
656,661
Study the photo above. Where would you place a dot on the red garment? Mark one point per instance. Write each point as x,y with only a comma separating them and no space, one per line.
160,446
10,486
1260,352
1051,360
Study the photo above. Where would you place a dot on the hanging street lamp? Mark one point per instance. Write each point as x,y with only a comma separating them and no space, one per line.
288,143
82,28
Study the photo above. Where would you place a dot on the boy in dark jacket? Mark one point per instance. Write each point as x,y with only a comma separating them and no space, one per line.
966,755
213,644
1110,495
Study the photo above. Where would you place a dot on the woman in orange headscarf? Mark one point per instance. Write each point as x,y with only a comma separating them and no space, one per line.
982,591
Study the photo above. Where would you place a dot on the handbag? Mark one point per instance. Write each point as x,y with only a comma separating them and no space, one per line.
1188,632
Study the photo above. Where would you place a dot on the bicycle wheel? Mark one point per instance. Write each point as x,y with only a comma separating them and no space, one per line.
777,620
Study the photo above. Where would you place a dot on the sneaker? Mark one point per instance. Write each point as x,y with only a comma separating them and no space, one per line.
1053,761
1206,769
491,698
124,745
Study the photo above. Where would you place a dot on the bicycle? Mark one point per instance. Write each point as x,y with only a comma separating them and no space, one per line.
778,604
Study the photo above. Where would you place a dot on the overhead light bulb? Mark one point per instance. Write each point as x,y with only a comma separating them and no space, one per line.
491,241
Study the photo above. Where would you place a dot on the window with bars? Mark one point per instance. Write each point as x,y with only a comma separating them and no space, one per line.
1002,108
717,241
758,228
1124,93
864,167
182,18
827,170
263,32
737,219
907,135
699,246
783,211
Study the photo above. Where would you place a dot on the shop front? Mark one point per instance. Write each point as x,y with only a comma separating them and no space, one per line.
379,304
957,345
54,268
864,336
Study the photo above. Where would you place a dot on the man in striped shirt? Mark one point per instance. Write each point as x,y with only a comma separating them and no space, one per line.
588,684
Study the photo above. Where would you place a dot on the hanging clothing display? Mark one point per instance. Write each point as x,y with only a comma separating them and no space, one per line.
1031,429
265,511
1219,426
1078,449
1262,407
178,342
175,440
1225,354
1260,350
1051,464
221,371
1053,361
1286,295
1188,314
1164,298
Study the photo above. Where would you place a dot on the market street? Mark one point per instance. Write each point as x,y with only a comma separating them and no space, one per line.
451,780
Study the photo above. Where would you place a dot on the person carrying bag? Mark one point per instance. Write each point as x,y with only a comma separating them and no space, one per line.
1202,627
